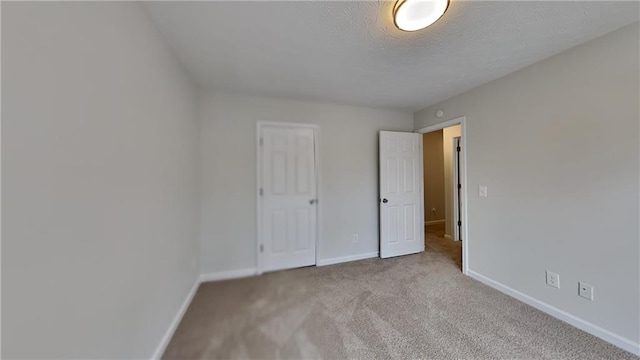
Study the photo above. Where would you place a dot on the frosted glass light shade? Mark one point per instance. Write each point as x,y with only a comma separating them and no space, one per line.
413,15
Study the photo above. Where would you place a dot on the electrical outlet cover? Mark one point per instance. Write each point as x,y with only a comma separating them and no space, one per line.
585,290
553,279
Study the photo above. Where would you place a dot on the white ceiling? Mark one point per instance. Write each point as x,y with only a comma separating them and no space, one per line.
349,52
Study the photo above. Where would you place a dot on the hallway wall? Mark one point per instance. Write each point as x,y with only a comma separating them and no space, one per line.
433,176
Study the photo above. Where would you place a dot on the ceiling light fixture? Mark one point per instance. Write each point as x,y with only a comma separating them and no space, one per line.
413,15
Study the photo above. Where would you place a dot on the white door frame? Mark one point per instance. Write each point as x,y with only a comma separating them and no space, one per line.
316,149
463,143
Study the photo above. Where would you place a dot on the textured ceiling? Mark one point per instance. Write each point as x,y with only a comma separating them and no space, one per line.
350,52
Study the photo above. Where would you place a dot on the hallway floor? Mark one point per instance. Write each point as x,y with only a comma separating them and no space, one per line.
435,242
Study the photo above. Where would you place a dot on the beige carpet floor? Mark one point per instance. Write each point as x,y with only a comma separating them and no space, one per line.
410,307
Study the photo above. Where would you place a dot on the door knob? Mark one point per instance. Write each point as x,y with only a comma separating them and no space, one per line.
312,201
385,201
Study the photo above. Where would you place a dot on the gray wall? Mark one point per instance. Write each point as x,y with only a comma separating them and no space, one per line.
99,136
557,144
348,199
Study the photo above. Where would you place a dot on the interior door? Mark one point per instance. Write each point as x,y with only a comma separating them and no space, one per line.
288,188
457,191
401,201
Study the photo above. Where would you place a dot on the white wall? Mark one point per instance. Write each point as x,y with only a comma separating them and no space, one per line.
557,144
348,199
448,134
99,180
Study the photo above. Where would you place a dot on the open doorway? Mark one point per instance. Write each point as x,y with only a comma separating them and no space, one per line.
443,192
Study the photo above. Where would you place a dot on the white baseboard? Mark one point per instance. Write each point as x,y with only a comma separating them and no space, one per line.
344,259
226,275
583,325
175,322
433,222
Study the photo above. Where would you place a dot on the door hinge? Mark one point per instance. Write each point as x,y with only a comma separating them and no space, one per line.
459,223
261,191
261,248
261,141
458,148
459,186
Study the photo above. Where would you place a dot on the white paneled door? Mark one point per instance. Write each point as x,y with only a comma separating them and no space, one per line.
287,197
401,199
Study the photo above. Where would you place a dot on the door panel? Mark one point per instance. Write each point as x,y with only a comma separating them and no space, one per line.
401,208
288,201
